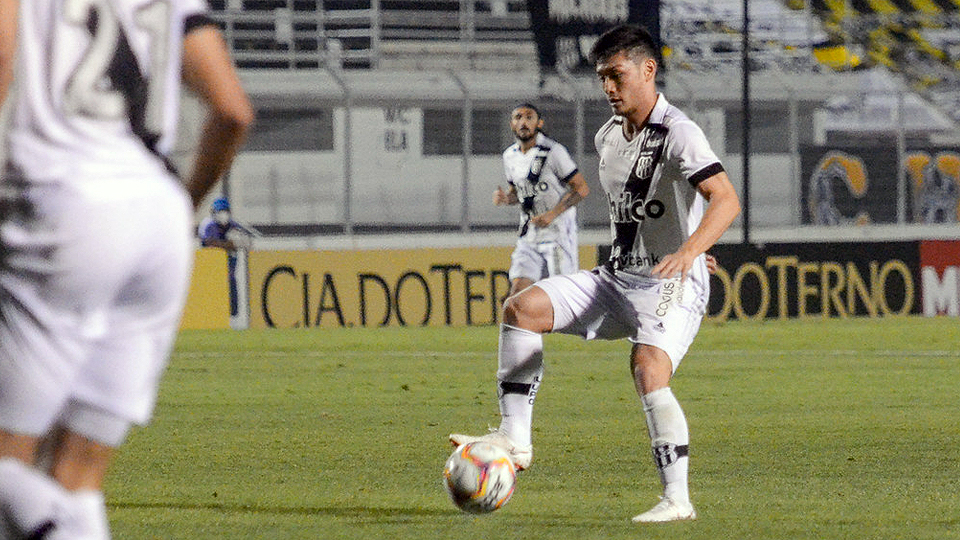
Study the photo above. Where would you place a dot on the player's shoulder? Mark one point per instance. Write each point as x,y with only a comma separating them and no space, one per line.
552,146
511,150
614,123
546,142
671,117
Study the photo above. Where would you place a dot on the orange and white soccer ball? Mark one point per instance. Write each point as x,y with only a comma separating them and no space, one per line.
479,477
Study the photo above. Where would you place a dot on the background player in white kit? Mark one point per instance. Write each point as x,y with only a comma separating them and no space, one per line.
547,185
88,309
657,170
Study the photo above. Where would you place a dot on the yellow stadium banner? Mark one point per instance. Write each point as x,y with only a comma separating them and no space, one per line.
417,287
208,302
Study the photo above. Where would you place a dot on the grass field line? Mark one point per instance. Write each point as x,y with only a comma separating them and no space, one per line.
555,352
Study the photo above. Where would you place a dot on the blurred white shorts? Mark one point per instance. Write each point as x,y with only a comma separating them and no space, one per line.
596,304
93,278
537,261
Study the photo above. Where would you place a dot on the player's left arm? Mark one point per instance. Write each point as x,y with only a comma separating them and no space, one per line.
208,70
577,190
8,44
723,208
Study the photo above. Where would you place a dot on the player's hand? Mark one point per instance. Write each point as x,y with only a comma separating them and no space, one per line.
544,219
711,263
674,265
500,197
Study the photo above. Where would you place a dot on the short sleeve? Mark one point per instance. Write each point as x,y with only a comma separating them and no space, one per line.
195,15
689,146
561,163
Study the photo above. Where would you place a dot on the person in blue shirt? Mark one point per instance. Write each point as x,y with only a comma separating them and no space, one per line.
221,231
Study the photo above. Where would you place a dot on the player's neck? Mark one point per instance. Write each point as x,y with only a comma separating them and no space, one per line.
527,144
635,121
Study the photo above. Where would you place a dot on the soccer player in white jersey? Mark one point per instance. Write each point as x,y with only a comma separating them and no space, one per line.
547,185
658,171
95,235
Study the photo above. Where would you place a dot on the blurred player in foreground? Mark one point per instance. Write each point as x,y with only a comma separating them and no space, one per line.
658,171
547,185
88,308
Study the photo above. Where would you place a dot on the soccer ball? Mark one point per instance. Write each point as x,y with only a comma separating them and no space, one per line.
479,477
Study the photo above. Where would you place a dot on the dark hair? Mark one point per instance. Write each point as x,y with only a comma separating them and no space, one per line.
528,105
629,38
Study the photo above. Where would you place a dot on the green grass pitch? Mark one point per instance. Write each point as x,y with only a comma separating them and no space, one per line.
803,429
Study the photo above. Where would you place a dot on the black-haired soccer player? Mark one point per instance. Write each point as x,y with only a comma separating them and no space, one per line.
670,201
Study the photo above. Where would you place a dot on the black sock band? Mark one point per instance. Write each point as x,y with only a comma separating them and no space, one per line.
667,454
515,388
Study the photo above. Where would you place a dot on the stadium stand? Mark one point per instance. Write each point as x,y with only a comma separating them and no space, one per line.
827,71
363,34
919,39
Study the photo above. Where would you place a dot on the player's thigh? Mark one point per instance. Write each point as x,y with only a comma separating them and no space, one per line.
586,305
669,326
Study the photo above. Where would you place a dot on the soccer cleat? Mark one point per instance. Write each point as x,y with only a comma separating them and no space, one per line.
667,510
520,455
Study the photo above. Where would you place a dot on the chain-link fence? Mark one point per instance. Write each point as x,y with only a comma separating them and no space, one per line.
367,151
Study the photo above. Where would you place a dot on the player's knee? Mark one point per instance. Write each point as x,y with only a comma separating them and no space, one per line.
651,369
528,311
512,311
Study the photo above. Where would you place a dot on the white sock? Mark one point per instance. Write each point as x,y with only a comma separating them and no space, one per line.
90,515
669,440
520,370
30,501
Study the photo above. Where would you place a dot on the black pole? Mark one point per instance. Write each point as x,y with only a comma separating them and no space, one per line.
745,54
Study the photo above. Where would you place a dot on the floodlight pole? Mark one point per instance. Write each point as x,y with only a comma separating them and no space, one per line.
745,157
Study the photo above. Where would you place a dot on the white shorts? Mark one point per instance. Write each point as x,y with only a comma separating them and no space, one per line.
93,277
595,304
545,259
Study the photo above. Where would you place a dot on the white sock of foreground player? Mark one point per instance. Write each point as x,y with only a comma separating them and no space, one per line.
90,515
670,441
520,369
32,505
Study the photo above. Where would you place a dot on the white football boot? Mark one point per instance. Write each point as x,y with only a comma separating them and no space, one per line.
520,455
667,510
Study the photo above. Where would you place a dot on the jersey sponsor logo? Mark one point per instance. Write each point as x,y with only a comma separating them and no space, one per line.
670,292
621,260
628,207
526,189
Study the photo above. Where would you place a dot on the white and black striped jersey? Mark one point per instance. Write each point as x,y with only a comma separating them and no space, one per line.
650,184
97,84
540,177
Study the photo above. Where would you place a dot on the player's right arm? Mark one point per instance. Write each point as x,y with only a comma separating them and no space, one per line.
208,71
8,44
